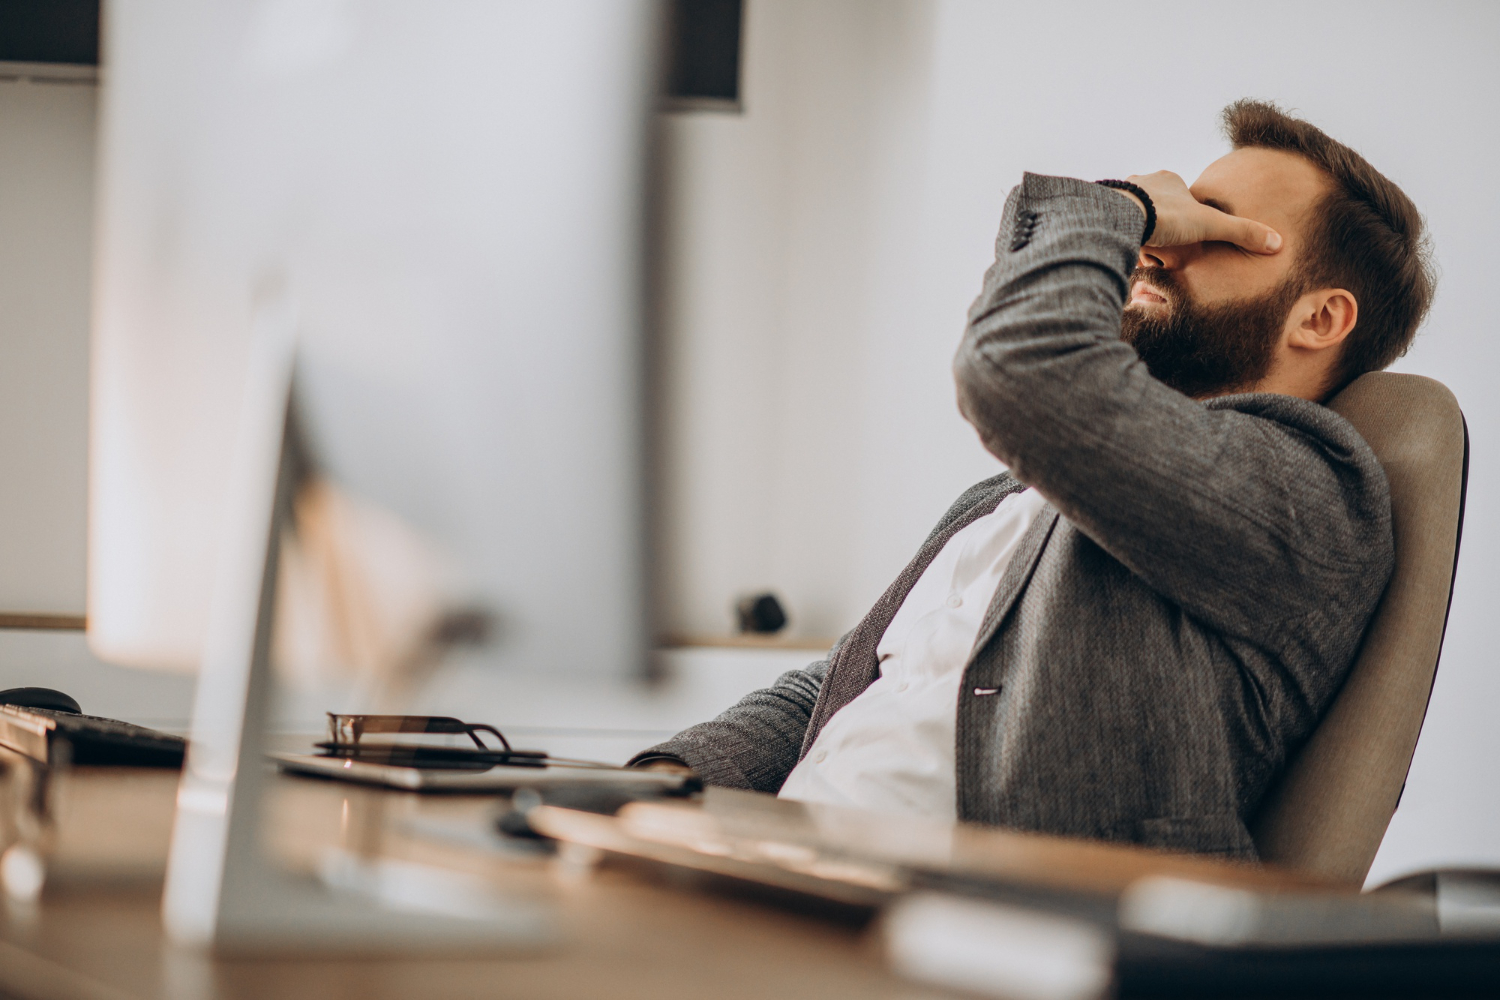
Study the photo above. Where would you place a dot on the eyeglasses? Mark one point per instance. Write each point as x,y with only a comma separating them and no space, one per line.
347,733
351,728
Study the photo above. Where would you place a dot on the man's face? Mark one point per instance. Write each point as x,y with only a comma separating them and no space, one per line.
1209,318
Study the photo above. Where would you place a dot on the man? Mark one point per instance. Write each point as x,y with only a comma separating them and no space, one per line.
1127,634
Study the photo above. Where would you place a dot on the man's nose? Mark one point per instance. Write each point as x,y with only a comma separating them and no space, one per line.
1168,258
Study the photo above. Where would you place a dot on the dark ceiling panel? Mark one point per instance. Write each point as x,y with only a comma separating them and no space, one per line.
705,50
50,31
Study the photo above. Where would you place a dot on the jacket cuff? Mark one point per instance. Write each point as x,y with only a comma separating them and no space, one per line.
1055,221
1104,205
714,768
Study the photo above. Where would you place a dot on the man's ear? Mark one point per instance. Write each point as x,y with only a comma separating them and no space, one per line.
1322,319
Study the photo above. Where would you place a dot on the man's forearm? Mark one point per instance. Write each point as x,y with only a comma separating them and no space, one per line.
1049,313
755,744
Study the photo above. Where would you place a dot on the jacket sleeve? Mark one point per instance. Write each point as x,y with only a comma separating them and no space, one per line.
754,744
1246,516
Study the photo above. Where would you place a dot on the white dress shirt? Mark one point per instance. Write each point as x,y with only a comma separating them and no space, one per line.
892,748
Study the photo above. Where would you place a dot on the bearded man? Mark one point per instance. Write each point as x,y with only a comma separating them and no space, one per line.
1126,634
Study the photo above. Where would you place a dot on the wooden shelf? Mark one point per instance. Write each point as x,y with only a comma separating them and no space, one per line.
47,622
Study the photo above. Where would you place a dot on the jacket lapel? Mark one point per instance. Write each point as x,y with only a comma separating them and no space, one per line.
1016,576
855,665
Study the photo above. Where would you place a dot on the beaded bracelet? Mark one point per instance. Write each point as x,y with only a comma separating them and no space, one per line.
1140,193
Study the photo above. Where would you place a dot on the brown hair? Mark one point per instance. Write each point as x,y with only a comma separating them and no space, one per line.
1367,237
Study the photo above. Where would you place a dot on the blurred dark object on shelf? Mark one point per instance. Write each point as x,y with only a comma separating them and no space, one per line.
761,614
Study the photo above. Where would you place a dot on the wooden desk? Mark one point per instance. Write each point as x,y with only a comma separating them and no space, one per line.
628,931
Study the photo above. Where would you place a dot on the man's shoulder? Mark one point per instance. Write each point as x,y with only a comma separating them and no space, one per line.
1343,491
1328,432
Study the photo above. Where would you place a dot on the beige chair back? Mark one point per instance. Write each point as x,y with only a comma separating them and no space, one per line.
1329,810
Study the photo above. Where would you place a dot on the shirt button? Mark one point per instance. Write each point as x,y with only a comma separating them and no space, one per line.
903,686
954,601
821,757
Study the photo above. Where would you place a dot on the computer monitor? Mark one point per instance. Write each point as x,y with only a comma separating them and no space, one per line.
430,215
449,195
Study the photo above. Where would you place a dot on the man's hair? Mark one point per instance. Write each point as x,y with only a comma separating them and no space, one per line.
1366,237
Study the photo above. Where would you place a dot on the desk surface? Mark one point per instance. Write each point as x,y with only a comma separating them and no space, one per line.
627,930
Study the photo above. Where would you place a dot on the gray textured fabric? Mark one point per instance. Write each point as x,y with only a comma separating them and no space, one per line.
1180,614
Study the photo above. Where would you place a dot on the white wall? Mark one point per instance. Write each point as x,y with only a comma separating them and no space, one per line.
830,240
46,207
812,438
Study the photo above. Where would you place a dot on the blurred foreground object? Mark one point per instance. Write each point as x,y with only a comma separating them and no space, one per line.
447,200
394,247
364,598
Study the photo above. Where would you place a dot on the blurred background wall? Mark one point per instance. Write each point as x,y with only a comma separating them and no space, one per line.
821,247
810,433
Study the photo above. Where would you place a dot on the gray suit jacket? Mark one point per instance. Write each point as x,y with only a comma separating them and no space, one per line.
1179,615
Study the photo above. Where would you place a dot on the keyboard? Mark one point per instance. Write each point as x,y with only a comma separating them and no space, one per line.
41,734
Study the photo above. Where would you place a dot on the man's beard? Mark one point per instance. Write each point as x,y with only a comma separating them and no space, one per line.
1206,350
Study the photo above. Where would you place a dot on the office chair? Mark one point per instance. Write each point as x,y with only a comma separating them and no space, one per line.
1329,810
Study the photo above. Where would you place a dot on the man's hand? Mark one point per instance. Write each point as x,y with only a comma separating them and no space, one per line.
1181,218
671,765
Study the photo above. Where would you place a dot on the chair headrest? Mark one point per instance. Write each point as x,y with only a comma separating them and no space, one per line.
1329,810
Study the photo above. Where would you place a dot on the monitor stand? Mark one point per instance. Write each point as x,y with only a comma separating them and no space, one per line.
223,891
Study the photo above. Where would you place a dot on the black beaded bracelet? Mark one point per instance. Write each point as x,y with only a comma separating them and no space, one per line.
1140,193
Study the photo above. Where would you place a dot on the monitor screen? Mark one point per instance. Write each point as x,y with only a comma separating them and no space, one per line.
450,197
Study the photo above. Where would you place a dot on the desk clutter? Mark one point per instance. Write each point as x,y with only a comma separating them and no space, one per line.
49,726
894,899
1016,915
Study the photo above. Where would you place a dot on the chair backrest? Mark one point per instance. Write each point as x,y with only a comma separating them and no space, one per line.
1329,810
